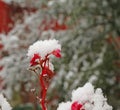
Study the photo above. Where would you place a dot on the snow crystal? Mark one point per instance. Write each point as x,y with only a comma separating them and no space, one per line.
4,104
43,48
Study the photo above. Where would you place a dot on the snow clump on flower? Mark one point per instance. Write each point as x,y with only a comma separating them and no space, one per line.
43,48
83,94
4,105
65,106
86,98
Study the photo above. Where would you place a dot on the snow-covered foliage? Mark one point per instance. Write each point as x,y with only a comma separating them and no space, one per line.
85,50
86,98
24,3
4,105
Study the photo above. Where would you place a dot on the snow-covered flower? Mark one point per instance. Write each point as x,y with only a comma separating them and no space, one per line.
39,54
86,98
42,49
4,105
76,106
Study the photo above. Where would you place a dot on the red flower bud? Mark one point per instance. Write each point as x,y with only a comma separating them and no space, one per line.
33,61
57,53
76,106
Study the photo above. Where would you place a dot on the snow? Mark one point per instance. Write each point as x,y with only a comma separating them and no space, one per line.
90,98
43,48
4,104
100,101
82,94
12,40
65,106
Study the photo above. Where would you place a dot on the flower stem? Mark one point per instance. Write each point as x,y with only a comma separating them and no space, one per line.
43,91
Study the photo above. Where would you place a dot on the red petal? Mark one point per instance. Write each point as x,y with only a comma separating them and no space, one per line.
33,60
57,53
76,106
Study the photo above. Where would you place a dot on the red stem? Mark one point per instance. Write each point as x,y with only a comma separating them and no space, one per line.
44,91
42,83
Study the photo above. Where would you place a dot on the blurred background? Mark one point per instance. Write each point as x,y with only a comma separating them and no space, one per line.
89,32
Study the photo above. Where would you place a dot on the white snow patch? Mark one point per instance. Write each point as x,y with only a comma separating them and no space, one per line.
83,94
4,104
64,106
43,48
